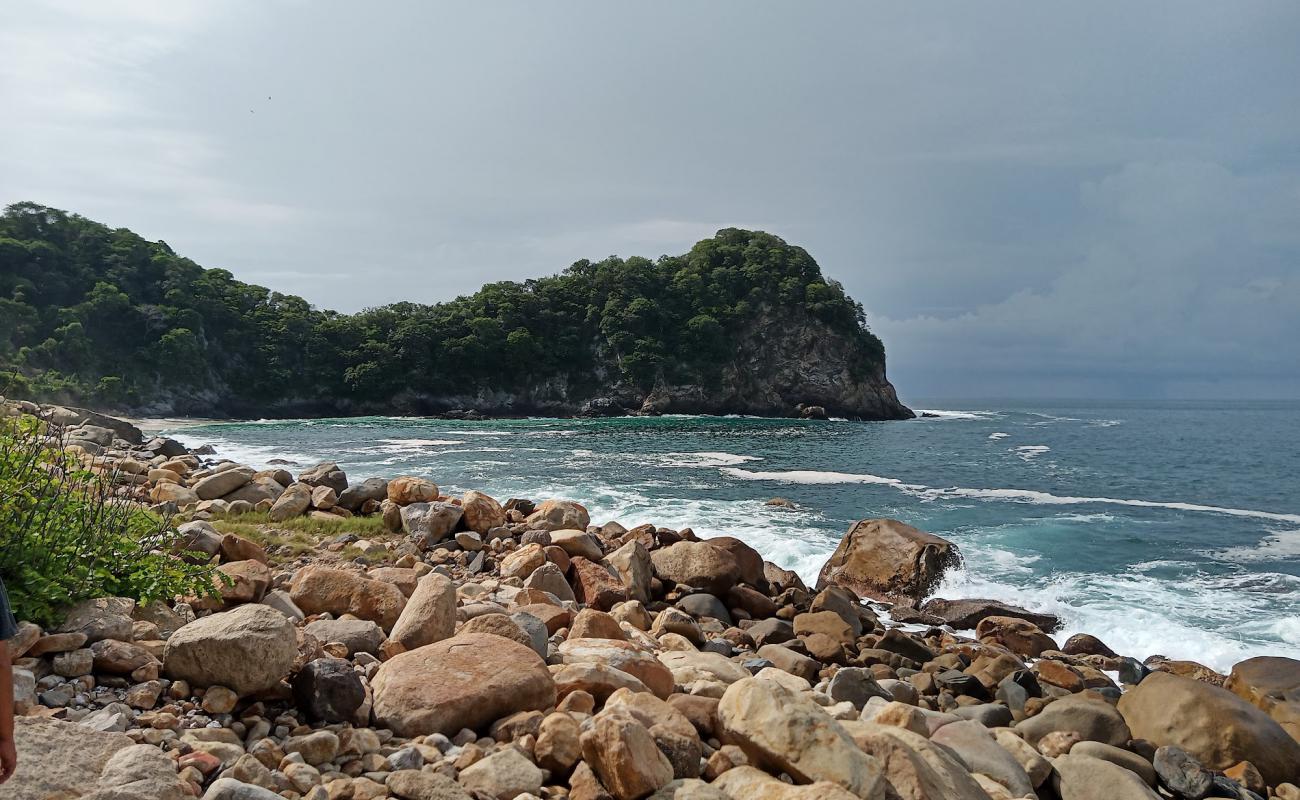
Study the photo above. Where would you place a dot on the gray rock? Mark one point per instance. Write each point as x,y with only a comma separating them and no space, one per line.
1119,756
430,523
549,578
1182,774
59,758
329,690
248,649
24,690
1085,778
360,635
140,771
326,473
357,494
1093,720
980,752
857,685
231,789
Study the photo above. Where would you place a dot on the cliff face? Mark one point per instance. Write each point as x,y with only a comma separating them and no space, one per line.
784,360
743,322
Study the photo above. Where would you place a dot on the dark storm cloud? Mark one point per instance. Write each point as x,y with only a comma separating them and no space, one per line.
1028,198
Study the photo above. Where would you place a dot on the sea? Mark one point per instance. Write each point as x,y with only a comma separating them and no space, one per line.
1168,528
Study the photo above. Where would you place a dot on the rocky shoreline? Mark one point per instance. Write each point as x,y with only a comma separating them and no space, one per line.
428,647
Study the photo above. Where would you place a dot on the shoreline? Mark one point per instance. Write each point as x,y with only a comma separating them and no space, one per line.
464,633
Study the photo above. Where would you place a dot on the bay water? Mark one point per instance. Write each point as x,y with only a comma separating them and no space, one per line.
1167,528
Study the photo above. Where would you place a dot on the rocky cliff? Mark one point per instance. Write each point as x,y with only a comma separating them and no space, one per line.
742,323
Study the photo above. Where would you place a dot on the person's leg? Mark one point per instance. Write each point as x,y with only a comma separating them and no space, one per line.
8,750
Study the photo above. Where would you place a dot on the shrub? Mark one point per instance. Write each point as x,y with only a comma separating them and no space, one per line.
66,535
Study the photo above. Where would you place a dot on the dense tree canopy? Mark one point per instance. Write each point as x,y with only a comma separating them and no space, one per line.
103,316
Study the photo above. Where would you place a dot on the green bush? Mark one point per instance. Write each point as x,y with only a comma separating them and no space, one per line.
66,536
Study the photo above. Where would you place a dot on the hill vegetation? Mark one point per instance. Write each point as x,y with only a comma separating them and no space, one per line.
102,316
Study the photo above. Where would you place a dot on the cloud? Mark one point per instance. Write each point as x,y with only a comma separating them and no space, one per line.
1189,277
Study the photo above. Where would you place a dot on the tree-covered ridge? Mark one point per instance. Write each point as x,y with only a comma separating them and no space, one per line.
101,315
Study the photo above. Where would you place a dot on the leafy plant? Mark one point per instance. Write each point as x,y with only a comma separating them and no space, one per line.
66,535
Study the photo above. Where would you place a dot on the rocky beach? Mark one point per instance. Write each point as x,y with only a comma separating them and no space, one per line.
384,639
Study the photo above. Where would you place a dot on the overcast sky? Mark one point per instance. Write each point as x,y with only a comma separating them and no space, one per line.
1030,199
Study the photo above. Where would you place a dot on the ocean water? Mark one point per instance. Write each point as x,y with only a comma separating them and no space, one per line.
1166,528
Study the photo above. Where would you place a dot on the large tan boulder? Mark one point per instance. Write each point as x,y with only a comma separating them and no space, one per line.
292,502
784,730
467,681
248,650
915,768
409,489
623,754
1020,636
429,615
168,492
317,590
884,559
697,564
555,515
1094,720
755,784
481,513
1081,777
1271,684
623,656
1216,726
223,483
63,759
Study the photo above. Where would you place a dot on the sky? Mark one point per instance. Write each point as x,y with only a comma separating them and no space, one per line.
1029,199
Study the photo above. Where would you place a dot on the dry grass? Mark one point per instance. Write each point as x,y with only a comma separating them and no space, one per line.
301,535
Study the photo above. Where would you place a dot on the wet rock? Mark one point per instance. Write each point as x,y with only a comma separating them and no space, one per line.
885,559
965,614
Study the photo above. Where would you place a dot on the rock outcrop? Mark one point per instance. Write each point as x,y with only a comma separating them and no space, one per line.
885,559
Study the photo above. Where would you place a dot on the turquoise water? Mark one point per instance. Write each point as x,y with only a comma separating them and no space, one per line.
1169,528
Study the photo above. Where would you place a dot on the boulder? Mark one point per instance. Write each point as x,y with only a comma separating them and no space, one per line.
328,690
293,502
1091,719
1017,635
248,650
100,618
696,564
317,590
429,615
357,494
632,563
326,473
554,515
1215,726
358,635
64,759
975,746
222,483
966,614
481,513
623,656
408,489
260,488
168,492
786,731
624,756
884,559
507,774
1271,684
754,784
914,768
596,584
1080,777
430,523
578,543
466,681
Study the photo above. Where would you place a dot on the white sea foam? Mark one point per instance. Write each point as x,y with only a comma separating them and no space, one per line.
1029,452
423,442
1279,545
998,435
936,413
1008,495
701,459
1134,614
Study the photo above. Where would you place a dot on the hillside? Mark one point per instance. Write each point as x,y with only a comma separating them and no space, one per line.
743,323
